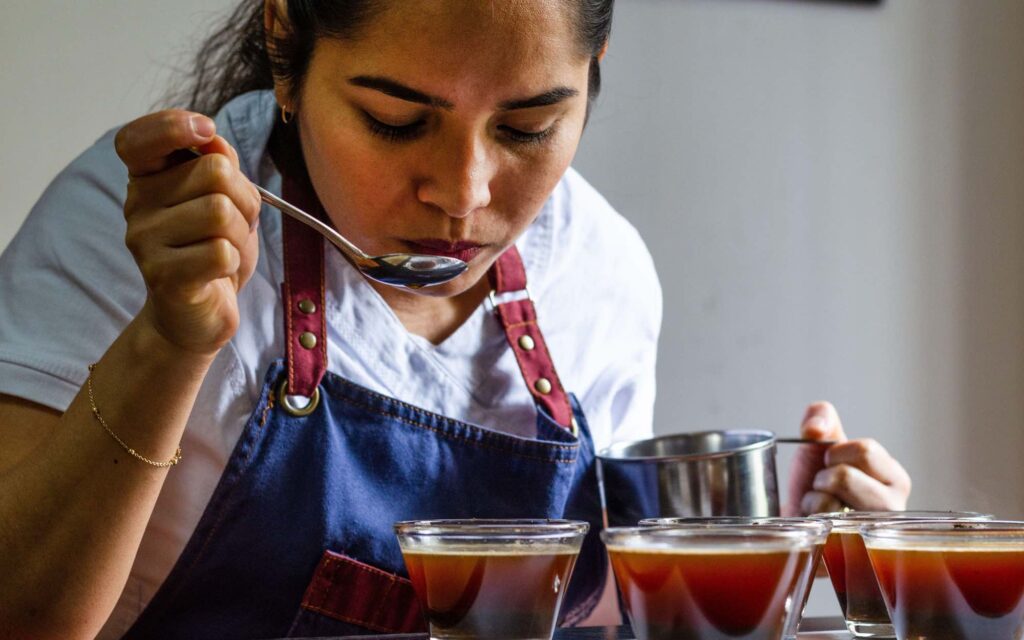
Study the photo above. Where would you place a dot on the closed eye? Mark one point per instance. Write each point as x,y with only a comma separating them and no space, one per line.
392,132
525,137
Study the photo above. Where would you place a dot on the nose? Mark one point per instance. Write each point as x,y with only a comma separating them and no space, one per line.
457,177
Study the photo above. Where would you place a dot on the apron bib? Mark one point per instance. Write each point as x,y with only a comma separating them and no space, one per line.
297,538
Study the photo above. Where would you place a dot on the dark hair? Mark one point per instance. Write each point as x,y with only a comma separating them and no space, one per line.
234,59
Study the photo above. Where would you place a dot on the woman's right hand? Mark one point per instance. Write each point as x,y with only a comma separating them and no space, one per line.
191,227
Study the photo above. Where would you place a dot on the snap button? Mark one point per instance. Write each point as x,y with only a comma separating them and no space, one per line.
543,386
526,343
307,340
306,306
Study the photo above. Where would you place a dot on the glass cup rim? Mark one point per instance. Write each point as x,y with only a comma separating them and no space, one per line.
852,521
493,529
945,532
754,521
727,536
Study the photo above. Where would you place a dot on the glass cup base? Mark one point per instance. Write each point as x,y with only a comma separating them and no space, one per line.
871,629
469,636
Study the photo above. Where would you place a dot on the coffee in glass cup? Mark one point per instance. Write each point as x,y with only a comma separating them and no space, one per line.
850,571
708,583
490,579
951,579
805,581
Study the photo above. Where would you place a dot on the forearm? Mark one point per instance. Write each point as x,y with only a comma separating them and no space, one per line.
72,514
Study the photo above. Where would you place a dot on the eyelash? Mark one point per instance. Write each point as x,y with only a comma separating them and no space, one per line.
406,132
393,133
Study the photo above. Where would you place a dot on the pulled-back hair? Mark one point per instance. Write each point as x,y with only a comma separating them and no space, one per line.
235,59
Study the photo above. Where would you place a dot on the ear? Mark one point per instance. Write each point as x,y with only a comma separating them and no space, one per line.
275,26
604,50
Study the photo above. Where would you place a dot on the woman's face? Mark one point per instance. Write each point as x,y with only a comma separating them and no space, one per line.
444,126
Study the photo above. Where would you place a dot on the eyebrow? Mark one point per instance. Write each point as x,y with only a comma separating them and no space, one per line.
402,92
553,96
398,90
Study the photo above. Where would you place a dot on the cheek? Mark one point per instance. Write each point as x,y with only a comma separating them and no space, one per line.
356,187
525,189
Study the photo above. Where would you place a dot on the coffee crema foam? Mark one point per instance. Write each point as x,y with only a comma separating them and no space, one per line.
676,550
488,550
981,547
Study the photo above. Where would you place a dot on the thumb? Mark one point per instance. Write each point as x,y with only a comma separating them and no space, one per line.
821,422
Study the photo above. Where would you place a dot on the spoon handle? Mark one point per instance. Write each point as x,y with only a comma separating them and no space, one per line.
287,208
292,211
824,443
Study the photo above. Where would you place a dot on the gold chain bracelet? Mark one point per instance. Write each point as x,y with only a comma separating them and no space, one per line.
132,452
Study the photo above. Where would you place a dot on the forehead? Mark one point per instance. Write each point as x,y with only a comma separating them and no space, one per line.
464,42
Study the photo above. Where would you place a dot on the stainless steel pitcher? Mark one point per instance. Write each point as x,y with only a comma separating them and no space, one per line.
709,473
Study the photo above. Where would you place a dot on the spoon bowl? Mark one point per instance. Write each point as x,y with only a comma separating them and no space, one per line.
410,270
413,270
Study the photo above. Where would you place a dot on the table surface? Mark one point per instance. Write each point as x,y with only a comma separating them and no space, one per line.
811,629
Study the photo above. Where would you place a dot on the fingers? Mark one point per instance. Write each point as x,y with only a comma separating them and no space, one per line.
146,145
807,462
211,216
818,502
821,422
870,457
180,271
214,173
857,489
856,473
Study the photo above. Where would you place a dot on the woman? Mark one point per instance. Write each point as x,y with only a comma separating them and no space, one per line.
414,126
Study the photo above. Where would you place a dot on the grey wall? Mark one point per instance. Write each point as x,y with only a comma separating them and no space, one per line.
833,194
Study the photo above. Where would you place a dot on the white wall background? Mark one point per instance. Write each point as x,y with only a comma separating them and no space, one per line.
833,194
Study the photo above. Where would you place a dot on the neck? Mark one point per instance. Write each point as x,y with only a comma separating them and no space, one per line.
433,318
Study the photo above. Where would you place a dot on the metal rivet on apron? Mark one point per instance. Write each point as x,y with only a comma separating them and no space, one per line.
526,343
306,306
543,385
307,340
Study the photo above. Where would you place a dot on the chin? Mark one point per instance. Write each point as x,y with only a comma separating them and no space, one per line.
450,289
474,278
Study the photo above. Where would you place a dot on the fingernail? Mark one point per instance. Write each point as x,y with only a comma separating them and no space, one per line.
817,423
203,126
255,223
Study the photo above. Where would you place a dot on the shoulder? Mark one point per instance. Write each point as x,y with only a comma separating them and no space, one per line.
599,303
68,268
595,256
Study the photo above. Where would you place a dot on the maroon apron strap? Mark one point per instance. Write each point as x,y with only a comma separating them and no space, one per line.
303,294
519,319
346,589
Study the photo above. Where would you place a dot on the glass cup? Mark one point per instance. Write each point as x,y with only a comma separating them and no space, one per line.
850,570
709,582
490,579
956,579
820,526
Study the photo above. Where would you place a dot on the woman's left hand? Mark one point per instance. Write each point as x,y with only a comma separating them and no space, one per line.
859,474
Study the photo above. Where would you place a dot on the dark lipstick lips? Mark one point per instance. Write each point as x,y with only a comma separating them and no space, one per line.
464,251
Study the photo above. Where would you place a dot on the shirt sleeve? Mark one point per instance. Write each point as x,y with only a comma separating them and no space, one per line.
68,284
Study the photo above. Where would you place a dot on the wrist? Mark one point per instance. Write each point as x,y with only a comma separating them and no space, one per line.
149,344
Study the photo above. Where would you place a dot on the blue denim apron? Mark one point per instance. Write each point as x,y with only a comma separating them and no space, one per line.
297,538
